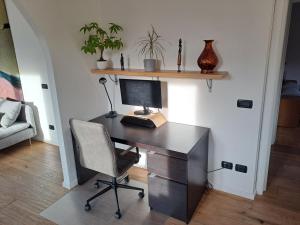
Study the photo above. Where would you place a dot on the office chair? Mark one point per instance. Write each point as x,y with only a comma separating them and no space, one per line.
97,152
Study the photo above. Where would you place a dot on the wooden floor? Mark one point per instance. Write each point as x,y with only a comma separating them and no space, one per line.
280,205
288,136
30,181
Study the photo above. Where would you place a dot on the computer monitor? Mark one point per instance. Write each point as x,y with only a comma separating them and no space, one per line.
146,93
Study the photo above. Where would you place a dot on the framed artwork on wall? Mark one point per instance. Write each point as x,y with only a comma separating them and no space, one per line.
10,84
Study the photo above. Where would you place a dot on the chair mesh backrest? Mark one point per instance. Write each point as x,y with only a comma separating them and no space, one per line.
95,148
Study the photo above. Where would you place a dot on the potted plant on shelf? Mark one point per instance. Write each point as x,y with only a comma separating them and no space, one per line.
151,46
99,39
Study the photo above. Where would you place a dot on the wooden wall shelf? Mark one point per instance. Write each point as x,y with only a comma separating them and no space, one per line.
166,74
163,73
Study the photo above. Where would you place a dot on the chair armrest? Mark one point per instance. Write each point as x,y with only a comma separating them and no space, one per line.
124,152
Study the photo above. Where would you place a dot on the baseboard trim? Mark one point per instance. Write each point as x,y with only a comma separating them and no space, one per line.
70,185
232,191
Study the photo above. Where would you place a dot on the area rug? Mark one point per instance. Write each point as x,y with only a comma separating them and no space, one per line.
69,210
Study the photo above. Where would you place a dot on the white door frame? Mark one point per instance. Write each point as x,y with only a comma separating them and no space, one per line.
65,161
275,69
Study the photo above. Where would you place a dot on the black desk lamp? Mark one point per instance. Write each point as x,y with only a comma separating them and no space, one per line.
112,113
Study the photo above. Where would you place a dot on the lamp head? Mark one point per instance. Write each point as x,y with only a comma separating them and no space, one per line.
102,80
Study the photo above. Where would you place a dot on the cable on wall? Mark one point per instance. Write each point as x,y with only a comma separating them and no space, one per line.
114,80
215,170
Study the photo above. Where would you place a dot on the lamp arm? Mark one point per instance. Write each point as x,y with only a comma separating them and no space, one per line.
108,97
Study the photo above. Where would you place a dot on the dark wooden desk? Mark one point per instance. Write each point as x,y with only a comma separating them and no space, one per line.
176,159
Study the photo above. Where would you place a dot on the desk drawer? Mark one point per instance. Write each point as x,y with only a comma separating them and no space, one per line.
168,197
168,167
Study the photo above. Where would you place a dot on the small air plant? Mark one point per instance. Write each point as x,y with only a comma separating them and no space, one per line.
151,46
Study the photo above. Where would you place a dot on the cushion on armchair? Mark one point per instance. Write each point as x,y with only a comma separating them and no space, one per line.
1,114
11,112
13,129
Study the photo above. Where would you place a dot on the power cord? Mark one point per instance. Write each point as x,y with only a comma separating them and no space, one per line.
113,80
209,186
215,170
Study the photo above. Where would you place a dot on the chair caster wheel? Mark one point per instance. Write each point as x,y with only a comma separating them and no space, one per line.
126,179
87,207
141,194
118,215
97,185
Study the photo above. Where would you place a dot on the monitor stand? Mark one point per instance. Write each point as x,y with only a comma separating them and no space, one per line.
145,111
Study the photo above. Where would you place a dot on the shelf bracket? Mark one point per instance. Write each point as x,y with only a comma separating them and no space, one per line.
115,80
209,84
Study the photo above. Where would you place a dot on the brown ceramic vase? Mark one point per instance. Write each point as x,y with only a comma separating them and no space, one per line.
208,59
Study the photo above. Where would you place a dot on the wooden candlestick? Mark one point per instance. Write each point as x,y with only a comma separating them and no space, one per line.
179,55
122,62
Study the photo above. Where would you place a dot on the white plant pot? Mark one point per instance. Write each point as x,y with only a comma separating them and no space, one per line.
102,65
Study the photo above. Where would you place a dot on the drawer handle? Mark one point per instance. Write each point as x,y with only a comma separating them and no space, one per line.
151,152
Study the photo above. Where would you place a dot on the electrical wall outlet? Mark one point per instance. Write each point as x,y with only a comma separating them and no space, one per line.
44,86
227,165
242,103
241,168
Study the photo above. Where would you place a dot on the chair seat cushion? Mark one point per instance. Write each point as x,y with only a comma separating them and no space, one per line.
125,161
16,127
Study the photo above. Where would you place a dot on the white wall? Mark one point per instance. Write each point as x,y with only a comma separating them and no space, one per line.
33,72
292,67
78,93
242,33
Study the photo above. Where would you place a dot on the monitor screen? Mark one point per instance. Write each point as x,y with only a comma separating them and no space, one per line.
141,93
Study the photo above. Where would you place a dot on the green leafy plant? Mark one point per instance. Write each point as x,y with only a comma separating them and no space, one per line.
99,39
152,46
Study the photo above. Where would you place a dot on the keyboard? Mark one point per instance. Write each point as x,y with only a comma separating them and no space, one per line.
137,121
